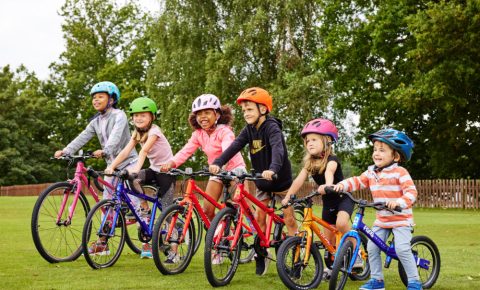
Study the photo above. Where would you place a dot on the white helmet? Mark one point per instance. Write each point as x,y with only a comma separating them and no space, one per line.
206,101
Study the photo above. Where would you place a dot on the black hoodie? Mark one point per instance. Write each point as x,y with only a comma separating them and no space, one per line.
268,151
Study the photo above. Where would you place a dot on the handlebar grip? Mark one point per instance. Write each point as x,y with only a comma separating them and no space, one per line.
329,190
398,208
92,173
275,176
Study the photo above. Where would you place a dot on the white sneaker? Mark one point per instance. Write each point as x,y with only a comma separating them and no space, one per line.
358,265
172,258
217,259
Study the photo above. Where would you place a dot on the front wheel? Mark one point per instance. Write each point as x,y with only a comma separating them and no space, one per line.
340,266
427,257
221,259
103,235
363,273
172,252
295,270
59,241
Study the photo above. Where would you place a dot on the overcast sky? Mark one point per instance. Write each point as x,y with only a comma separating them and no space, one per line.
30,33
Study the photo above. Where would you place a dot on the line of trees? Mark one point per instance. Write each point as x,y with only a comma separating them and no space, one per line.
412,65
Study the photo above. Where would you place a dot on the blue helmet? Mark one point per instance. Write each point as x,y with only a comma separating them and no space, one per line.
106,87
398,140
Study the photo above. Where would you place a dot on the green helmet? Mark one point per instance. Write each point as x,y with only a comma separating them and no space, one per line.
143,104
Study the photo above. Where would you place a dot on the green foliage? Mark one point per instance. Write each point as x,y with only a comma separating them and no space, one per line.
413,66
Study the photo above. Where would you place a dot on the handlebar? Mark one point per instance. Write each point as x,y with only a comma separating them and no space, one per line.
303,200
69,157
379,205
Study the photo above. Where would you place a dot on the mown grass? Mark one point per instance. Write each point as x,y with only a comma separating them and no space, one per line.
455,232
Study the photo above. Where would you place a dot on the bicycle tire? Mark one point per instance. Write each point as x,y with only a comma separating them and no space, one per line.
58,243
340,266
294,274
198,226
425,248
217,247
92,227
161,249
131,236
365,274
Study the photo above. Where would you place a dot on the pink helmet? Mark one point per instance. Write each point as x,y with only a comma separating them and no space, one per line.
322,127
206,101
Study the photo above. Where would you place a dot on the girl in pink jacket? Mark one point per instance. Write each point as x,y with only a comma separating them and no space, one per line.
212,133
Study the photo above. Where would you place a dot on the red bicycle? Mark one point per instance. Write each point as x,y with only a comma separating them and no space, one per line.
225,236
171,252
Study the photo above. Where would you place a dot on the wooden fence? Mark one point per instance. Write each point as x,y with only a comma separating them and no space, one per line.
439,193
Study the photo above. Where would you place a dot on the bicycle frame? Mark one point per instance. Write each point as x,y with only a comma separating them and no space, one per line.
78,182
244,209
389,250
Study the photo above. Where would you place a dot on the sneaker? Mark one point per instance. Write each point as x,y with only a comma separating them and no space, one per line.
327,273
414,285
217,259
358,265
373,284
99,248
172,258
262,264
146,251
296,272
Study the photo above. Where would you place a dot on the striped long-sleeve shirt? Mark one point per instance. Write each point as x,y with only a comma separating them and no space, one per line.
393,183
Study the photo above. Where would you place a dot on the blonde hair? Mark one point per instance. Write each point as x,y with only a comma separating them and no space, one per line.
140,137
317,164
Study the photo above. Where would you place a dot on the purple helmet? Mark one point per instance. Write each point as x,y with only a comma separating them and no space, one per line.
322,127
206,101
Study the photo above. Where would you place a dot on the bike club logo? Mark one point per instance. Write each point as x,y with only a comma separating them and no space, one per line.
256,146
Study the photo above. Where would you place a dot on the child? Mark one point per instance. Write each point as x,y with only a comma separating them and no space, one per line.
212,133
268,153
154,146
390,183
109,124
321,163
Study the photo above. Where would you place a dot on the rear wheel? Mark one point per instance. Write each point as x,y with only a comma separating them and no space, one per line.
58,241
171,252
102,246
340,266
221,260
424,248
294,271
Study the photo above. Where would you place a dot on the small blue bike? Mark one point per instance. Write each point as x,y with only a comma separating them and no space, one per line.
105,229
427,256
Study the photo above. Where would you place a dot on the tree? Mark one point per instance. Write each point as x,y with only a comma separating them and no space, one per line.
411,65
223,47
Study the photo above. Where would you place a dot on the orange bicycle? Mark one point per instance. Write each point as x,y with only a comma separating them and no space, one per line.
299,263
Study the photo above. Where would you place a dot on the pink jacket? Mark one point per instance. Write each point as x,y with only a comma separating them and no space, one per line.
213,145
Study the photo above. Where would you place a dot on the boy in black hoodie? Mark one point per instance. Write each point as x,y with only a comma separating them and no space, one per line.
268,153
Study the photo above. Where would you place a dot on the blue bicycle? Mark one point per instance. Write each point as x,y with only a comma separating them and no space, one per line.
427,256
105,229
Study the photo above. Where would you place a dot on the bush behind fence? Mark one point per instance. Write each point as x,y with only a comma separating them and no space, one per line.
437,193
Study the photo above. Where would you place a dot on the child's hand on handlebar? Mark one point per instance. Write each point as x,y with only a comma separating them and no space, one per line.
58,154
321,189
338,187
98,153
214,169
285,200
267,174
167,166
392,205
108,170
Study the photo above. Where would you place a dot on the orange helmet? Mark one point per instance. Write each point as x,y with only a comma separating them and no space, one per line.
256,95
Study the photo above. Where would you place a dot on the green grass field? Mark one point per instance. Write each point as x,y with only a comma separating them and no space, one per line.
455,232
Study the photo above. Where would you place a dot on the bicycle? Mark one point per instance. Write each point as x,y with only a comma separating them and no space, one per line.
106,223
425,252
225,235
183,211
299,262
55,232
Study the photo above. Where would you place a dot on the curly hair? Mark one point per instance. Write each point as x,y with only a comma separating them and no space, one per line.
226,117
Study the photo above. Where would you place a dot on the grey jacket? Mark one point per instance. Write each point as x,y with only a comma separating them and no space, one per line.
112,132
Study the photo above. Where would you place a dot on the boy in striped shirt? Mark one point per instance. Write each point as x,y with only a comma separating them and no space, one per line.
392,184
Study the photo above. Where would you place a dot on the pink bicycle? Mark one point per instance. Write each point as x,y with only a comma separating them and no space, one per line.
61,210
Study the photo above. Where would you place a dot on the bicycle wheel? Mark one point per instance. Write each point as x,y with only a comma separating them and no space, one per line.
172,253
294,272
62,241
101,247
131,236
221,260
359,274
424,248
340,266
